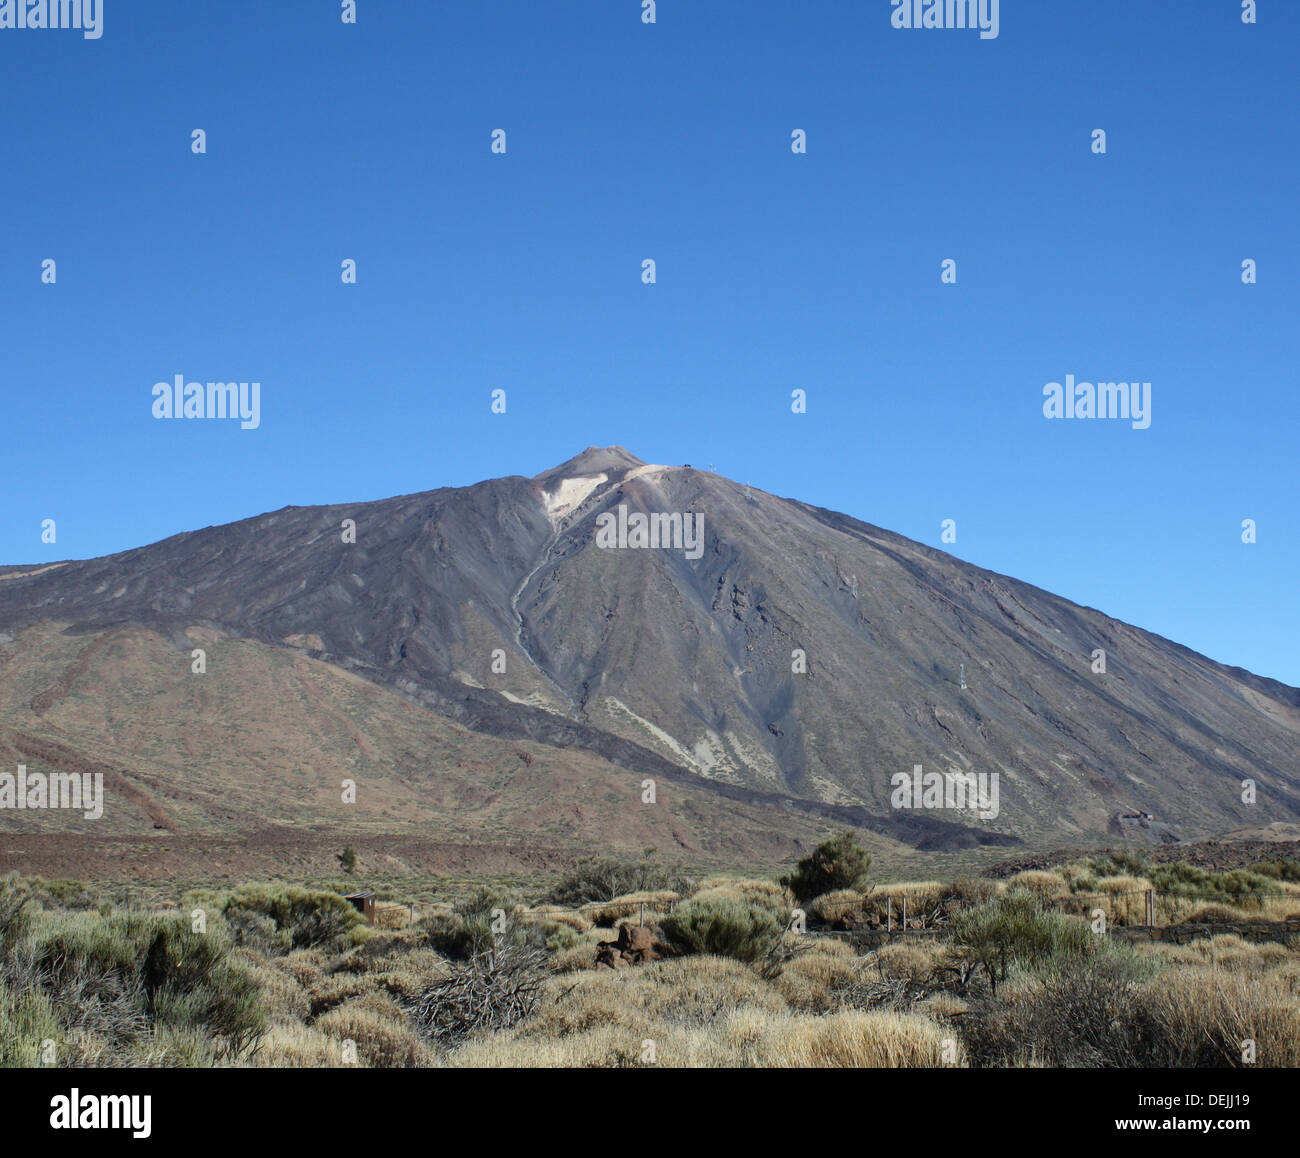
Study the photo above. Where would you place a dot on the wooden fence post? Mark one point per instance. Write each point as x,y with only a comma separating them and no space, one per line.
889,914
1151,907
904,912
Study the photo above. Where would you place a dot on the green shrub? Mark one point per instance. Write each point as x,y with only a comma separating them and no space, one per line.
310,917
835,864
468,931
1278,870
26,1021
258,933
1119,864
64,894
604,878
192,982
559,937
16,907
1245,888
726,928
117,980
1014,930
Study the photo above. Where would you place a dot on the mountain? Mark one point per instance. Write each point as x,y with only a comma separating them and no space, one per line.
785,664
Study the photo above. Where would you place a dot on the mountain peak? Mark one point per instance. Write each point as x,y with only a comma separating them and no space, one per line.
666,662
592,461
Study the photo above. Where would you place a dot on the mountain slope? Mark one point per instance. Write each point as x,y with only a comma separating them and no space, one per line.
256,752
676,665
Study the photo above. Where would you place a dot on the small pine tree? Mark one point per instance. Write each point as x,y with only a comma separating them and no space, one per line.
838,863
349,858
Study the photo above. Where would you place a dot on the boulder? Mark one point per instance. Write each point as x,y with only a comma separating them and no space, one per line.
636,939
609,957
636,945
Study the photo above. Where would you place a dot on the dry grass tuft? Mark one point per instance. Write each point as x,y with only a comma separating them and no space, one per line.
1046,886
292,1045
705,1012
912,960
752,892
1213,914
383,1037
607,912
1209,1015
850,1039
809,982
573,920
839,909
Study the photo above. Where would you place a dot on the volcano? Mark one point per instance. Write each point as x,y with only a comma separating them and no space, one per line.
782,671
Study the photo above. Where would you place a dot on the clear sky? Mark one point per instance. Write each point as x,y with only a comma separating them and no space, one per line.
775,271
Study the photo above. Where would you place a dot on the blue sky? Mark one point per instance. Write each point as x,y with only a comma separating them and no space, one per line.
775,271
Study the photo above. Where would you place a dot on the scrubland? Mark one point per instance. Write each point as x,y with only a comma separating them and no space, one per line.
726,971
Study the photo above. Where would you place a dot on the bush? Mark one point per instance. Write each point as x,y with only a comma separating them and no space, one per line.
1122,898
16,906
924,900
1112,1010
258,933
1213,915
1089,1013
1243,887
760,892
1278,870
726,928
1205,1017
64,894
466,932
1014,930
457,937
115,982
382,1036
835,864
604,878
191,981
26,1020
1118,864
845,1039
309,917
